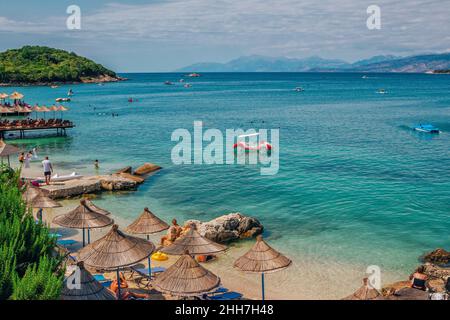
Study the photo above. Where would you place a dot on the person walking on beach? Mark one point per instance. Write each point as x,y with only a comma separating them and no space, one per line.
96,165
21,158
28,159
48,169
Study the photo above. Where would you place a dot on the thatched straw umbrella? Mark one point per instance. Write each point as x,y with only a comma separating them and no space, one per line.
366,292
3,96
193,242
147,223
44,109
7,150
54,109
62,109
83,217
262,258
89,289
114,251
38,198
186,278
16,96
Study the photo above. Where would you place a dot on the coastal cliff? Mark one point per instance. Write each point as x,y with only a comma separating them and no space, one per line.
36,65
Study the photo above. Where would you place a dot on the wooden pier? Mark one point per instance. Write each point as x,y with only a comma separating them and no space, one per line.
60,130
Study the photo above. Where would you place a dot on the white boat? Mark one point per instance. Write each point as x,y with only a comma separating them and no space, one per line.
298,89
382,91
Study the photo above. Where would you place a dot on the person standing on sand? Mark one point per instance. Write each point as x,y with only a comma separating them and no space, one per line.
48,169
28,159
21,158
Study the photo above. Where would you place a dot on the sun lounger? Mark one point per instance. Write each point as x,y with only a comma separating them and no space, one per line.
226,296
55,235
99,277
66,242
143,279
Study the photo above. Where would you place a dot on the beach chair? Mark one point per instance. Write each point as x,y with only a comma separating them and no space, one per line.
66,242
143,277
231,295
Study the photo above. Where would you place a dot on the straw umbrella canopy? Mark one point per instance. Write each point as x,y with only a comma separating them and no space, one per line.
95,208
262,258
147,223
83,217
6,110
115,250
3,96
7,150
16,96
90,288
193,242
366,292
186,278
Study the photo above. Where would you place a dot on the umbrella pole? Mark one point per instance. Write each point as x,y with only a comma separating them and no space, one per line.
84,242
149,262
89,235
118,284
262,284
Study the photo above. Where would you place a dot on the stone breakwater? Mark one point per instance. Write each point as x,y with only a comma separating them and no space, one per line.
122,180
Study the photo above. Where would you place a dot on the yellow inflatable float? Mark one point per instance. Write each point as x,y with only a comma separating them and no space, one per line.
159,256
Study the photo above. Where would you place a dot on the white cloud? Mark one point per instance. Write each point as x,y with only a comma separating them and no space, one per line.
276,27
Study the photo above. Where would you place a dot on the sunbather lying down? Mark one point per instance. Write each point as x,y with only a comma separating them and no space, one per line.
125,294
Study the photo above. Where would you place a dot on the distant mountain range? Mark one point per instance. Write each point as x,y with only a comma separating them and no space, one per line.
382,63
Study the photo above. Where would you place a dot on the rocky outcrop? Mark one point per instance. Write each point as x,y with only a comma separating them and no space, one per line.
146,168
229,227
116,183
129,176
86,185
125,170
438,256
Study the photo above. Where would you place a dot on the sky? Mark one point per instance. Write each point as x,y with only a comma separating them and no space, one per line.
163,35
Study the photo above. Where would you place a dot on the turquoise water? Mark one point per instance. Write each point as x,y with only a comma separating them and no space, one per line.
355,184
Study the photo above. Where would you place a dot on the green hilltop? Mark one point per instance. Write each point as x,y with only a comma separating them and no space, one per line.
41,65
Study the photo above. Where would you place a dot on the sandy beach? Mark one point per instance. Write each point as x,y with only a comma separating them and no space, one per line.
307,278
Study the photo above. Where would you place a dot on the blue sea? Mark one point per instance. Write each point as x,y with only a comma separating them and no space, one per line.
355,183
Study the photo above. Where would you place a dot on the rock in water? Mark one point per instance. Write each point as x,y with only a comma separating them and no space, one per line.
124,170
229,227
438,256
146,168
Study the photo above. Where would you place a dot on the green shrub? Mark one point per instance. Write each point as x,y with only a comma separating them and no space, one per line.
29,266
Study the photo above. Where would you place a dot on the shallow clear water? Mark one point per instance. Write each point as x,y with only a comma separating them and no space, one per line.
355,184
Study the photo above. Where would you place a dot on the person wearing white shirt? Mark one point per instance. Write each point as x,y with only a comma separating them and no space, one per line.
48,169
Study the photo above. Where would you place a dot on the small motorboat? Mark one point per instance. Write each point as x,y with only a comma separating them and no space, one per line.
381,91
54,86
427,128
188,85
194,75
168,83
62,99
365,77
298,89
70,92
181,80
